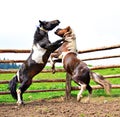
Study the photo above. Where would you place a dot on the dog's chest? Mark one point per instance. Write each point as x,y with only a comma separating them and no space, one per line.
38,53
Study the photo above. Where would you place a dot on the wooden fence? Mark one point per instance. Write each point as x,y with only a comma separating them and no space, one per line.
68,87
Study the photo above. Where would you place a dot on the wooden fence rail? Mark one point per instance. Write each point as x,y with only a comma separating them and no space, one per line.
95,87
13,51
99,49
80,51
103,57
68,87
58,80
2,71
85,59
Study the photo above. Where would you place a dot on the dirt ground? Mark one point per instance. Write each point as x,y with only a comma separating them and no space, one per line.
98,107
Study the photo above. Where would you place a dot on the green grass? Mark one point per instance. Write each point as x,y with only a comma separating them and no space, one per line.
48,95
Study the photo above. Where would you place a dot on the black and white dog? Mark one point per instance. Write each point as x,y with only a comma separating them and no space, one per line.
41,50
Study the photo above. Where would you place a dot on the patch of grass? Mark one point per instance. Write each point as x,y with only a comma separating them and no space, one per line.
109,71
82,115
6,76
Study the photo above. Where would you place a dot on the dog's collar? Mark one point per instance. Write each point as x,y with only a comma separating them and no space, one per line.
41,28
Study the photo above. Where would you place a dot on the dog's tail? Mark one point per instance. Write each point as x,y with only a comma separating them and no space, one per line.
101,81
12,87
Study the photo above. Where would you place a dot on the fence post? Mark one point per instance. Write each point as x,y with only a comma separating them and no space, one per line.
68,87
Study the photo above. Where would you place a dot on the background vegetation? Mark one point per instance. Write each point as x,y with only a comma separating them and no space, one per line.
9,65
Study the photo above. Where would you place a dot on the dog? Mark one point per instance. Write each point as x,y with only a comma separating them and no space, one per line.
77,69
41,50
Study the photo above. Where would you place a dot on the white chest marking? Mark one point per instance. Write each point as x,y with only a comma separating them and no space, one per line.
38,53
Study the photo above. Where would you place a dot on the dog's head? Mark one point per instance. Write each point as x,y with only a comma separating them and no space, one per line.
61,32
49,25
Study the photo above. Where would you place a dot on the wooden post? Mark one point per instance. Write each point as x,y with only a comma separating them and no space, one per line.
68,86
